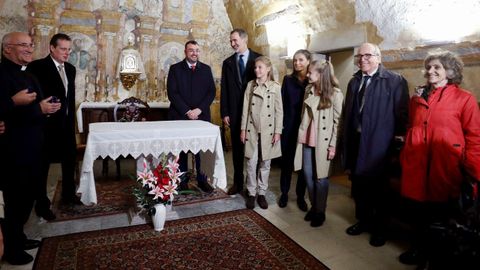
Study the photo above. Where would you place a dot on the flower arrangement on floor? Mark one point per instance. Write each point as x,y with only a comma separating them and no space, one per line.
157,184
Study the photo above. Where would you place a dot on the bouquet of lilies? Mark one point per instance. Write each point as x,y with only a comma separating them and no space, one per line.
157,184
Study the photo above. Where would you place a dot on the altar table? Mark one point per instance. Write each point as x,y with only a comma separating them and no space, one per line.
114,139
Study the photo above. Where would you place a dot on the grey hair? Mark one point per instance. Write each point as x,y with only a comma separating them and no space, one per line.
451,62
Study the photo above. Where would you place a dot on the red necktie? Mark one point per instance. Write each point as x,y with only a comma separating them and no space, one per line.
193,67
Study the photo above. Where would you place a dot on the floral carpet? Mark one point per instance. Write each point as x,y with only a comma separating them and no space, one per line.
240,239
115,197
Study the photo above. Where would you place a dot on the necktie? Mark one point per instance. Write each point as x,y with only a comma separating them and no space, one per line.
193,67
361,92
241,65
62,75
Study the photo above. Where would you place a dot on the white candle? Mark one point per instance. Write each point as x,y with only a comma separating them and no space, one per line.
98,77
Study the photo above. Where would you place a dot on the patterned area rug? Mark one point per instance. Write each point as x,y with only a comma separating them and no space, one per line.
115,197
239,239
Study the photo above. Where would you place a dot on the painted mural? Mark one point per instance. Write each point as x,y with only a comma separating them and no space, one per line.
99,31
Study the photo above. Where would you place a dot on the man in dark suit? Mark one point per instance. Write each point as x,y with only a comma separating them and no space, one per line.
375,114
191,91
22,109
57,79
237,71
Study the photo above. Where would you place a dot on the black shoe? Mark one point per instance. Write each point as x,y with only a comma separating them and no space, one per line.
377,240
48,215
309,216
30,244
412,257
205,187
262,202
71,200
302,205
234,190
356,229
317,220
20,258
250,202
282,203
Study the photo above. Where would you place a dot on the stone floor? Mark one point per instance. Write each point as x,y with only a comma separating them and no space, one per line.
329,243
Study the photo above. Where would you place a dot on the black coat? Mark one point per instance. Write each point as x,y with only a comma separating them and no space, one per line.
189,89
60,126
233,87
385,115
293,92
21,143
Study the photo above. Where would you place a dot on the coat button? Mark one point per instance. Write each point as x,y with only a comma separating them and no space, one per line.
268,96
269,115
249,130
268,106
270,125
324,128
253,104
246,139
271,134
326,139
323,117
251,122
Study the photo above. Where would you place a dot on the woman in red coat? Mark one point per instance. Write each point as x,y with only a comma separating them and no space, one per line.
443,141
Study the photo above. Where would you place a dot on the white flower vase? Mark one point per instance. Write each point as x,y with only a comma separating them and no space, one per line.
159,217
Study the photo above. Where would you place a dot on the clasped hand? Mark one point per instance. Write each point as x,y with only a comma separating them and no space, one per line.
49,108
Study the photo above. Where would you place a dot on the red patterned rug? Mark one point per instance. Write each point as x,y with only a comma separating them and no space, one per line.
239,239
115,197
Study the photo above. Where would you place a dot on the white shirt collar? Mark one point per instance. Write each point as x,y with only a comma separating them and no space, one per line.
57,64
245,55
190,65
371,74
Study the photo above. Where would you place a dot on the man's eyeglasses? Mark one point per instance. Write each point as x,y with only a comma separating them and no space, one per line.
23,45
193,51
367,56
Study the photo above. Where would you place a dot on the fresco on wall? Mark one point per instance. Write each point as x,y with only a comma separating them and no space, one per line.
84,58
99,28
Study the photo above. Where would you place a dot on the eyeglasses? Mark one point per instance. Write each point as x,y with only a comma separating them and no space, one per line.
23,45
367,56
193,50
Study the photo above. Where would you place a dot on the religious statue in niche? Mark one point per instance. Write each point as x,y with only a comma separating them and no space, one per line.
129,69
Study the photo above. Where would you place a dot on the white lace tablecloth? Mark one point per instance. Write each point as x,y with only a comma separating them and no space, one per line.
114,139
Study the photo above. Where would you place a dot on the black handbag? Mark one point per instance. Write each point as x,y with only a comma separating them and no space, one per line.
456,244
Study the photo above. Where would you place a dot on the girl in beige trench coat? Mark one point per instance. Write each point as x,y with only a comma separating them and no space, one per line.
261,126
317,136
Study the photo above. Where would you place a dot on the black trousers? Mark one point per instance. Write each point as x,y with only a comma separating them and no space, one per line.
287,160
238,154
370,193
67,162
371,201
183,165
18,192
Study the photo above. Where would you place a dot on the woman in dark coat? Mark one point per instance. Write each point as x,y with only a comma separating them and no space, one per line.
293,91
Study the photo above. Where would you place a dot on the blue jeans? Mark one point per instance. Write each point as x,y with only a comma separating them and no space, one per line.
317,188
